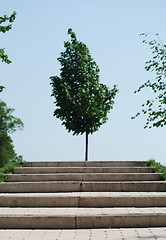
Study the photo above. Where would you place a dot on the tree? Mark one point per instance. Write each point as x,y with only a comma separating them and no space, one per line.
155,108
8,125
82,103
6,25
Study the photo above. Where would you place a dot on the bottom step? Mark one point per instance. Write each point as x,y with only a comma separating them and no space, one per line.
93,234
77,218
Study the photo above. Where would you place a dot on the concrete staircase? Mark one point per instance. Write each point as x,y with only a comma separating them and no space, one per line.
83,195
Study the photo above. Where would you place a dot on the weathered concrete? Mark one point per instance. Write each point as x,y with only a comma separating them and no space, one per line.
39,170
84,177
68,195
69,218
84,199
86,164
79,186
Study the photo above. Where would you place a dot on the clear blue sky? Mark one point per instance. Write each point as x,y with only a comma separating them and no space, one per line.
110,28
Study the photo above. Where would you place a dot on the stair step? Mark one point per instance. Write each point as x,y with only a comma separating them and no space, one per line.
83,195
84,177
78,186
73,218
39,170
84,199
85,164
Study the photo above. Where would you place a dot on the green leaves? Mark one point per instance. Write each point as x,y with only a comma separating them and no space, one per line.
155,108
159,168
8,124
6,25
82,102
9,20
4,57
1,88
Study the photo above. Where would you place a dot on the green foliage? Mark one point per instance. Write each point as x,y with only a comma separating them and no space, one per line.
2,176
8,124
1,88
4,57
82,103
9,168
159,168
155,108
6,25
6,149
4,19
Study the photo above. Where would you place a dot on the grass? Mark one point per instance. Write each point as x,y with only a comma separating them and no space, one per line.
8,169
159,168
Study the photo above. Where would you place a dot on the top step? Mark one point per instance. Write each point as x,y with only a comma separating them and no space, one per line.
86,164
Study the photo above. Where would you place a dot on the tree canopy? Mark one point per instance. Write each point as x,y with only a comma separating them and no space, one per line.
155,108
82,102
8,125
8,122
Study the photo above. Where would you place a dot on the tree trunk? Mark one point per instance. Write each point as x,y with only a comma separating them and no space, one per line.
86,149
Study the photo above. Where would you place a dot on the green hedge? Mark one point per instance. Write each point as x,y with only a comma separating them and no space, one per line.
8,169
159,168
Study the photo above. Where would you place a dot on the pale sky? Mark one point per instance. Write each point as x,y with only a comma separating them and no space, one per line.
110,29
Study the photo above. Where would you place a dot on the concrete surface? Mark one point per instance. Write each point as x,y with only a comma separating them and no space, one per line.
70,218
85,163
84,177
84,199
83,186
38,170
99,196
86,234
